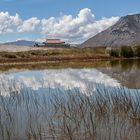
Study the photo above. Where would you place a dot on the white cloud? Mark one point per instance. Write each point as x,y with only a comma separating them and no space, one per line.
29,25
8,23
92,29
77,28
73,29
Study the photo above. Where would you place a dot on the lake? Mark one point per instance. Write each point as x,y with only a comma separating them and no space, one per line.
42,103
113,73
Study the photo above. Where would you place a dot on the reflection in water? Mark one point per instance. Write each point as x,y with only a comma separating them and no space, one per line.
82,79
126,72
52,104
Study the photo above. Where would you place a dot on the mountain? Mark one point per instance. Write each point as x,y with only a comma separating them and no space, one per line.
125,32
21,43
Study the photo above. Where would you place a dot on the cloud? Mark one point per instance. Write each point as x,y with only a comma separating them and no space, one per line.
92,29
67,27
29,25
77,28
8,23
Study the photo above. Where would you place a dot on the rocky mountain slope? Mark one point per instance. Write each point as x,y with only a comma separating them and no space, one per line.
126,32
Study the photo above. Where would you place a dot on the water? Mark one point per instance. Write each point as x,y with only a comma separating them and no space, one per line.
127,72
56,103
113,74
63,79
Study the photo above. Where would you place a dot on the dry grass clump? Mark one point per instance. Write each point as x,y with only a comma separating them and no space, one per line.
56,114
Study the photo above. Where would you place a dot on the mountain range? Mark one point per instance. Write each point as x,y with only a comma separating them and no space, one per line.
21,43
125,32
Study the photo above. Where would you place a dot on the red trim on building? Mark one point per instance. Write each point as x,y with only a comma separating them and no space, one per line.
54,41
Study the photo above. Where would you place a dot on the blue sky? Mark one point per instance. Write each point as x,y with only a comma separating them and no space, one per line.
37,13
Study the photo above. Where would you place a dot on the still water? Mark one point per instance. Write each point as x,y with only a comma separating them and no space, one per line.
38,103
113,74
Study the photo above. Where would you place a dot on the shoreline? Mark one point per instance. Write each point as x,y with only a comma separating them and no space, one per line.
60,55
88,63
53,60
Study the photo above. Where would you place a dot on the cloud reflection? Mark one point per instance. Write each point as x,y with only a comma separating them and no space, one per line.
63,78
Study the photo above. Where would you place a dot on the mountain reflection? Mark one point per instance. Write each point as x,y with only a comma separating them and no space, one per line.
126,72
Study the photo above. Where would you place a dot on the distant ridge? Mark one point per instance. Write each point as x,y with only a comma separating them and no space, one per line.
125,32
21,43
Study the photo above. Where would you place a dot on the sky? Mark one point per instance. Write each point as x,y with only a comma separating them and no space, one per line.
71,20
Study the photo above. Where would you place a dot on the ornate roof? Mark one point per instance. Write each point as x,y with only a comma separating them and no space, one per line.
54,41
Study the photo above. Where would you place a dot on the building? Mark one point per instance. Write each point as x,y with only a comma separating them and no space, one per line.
53,43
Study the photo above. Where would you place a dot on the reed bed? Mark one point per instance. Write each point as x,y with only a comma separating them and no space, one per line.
106,113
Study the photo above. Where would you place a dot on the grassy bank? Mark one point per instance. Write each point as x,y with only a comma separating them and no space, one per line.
67,55
59,54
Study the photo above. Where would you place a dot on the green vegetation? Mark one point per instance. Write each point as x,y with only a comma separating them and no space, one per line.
126,52
114,52
137,51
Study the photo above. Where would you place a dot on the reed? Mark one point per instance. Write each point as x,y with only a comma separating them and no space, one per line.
56,114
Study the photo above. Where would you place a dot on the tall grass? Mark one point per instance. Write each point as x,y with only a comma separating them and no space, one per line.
54,114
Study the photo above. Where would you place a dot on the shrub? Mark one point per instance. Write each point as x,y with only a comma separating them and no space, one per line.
8,55
127,52
138,51
114,52
35,52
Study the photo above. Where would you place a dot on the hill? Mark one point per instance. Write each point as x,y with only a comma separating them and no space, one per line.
21,43
125,32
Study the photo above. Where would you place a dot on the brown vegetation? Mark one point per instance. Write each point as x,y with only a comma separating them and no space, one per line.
73,54
107,114
69,54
